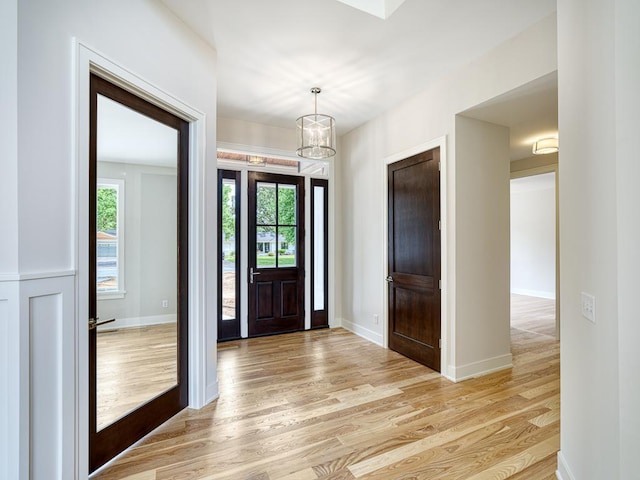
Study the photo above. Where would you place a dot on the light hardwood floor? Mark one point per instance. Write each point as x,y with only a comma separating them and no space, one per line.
533,314
133,366
330,405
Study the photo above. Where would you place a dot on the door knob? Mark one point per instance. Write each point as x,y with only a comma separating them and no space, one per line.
389,278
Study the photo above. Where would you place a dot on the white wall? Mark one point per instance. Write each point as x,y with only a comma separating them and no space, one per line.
483,341
257,136
9,137
627,79
599,72
9,332
150,244
533,236
419,120
144,38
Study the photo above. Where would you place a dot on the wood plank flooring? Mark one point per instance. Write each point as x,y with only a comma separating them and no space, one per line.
329,405
533,314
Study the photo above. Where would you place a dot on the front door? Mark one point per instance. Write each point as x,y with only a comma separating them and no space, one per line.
138,211
414,258
276,254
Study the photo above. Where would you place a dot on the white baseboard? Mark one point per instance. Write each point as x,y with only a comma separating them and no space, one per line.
212,392
363,332
563,472
139,321
534,293
482,367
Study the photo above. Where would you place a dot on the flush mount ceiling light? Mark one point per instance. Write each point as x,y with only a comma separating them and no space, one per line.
316,133
545,145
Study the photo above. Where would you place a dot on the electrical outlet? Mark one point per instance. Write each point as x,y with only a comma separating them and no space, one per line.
165,303
375,318
588,305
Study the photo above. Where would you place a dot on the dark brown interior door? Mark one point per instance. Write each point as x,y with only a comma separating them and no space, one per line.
414,258
276,254
137,292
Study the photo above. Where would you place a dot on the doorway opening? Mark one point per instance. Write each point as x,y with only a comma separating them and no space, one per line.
534,256
273,245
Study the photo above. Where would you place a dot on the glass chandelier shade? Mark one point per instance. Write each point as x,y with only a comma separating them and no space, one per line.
316,133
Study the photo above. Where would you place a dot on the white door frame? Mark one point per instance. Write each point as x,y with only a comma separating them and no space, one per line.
447,315
201,204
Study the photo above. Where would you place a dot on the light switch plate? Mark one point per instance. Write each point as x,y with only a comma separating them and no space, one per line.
588,304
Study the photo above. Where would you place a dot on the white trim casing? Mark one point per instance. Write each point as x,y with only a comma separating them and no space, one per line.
203,385
447,326
563,472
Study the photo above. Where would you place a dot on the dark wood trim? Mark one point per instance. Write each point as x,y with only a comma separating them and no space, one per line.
113,439
320,318
229,330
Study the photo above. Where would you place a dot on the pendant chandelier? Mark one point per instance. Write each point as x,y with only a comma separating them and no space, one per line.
316,133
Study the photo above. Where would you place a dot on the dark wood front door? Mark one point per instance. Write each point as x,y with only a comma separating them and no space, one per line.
276,253
414,258
137,291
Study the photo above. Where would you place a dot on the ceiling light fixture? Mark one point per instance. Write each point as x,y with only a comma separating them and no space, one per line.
545,145
256,161
316,133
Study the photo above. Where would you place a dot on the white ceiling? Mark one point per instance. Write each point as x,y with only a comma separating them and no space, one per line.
270,53
127,136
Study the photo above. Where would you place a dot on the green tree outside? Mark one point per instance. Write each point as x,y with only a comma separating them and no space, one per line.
107,206
266,211
228,212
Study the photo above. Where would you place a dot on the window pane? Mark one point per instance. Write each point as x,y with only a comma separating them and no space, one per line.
266,204
318,248
286,204
107,238
266,247
228,249
287,246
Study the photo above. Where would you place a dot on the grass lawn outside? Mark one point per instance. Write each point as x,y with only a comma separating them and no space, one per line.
265,261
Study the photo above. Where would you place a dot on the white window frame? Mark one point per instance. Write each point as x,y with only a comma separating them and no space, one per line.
118,183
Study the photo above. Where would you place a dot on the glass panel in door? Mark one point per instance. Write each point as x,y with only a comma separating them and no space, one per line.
137,329
319,257
228,255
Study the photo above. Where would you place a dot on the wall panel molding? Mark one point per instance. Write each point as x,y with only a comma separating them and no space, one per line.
37,340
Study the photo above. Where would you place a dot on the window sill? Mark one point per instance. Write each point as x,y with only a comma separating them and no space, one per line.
115,295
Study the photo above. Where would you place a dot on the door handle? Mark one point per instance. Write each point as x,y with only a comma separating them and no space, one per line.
93,322
252,273
389,279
